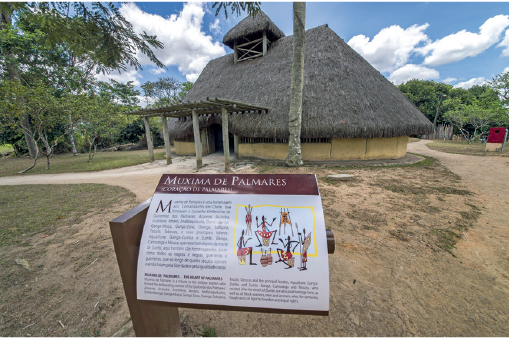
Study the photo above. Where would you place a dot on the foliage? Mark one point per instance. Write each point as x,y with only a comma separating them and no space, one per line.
472,120
471,111
252,8
207,331
94,32
44,110
426,96
500,84
134,132
165,90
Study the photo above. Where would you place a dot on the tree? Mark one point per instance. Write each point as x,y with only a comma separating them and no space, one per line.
294,157
500,84
427,96
95,36
186,87
45,109
473,120
99,117
165,90
252,8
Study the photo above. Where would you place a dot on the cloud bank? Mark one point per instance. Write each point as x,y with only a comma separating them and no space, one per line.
394,49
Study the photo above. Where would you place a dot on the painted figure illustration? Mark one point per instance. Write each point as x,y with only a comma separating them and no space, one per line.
305,242
243,251
249,220
265,234
285,219
286,256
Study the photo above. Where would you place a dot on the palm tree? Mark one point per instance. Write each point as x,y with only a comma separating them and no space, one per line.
294,157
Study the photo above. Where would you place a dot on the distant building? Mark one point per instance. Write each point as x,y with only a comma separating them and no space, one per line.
349,111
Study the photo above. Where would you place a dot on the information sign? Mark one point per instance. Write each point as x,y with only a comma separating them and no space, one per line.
254,242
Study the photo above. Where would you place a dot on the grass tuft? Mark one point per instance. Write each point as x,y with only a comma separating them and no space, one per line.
31,209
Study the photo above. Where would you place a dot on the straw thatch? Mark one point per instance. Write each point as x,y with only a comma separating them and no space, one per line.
252,28
344,96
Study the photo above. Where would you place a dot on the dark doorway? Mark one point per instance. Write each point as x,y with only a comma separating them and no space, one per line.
217,130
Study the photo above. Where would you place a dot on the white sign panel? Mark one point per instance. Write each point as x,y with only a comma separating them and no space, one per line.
239,241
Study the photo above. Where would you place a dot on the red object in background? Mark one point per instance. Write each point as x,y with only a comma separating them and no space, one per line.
496,135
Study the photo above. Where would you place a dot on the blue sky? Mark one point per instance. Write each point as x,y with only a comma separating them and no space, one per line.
458,43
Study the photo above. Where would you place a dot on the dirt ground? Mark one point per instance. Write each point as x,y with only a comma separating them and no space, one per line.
393,273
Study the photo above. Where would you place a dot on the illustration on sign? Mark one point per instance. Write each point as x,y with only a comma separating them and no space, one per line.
284,245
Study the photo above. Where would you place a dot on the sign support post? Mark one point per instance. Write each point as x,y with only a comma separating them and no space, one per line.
149,319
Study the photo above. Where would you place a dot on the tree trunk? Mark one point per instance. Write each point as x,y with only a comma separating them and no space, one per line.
12,70
29,137
71,136
294,157
436,114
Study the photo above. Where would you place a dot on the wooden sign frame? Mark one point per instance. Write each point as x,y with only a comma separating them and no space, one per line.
154,318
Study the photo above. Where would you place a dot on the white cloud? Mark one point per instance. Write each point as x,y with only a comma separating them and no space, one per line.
505,43
409,72
391,47
185,44
215,27
457,46
470,83
130,75
506,69
450,79
157,71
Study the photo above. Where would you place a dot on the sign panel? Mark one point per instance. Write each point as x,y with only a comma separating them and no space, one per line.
239,241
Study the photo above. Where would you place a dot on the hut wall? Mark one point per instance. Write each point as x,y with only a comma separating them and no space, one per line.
348,149
337,149
402,143
379,148
208,145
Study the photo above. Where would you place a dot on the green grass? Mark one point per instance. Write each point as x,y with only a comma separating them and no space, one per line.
5,148
31,209
462,147
67,163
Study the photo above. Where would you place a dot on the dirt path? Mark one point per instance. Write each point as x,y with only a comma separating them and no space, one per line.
487,247
140,179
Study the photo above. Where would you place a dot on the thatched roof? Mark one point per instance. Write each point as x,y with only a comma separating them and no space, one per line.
344,96
252,27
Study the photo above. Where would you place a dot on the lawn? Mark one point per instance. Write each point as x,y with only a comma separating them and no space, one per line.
457,147
32,209
67,163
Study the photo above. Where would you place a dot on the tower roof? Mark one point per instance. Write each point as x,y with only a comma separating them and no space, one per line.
251,27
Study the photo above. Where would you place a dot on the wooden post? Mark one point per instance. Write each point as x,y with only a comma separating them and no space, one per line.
149,319
235,52
197,141
226,143
236,145
264,42
150,145
166,136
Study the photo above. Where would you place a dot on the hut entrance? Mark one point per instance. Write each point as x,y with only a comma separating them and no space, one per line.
218,138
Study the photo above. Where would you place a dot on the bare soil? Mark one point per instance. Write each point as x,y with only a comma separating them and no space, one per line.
420,250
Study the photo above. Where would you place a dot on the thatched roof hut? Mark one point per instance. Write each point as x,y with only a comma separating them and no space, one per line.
343,96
